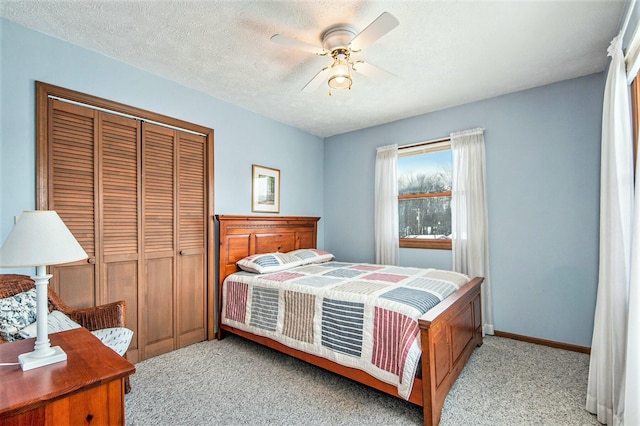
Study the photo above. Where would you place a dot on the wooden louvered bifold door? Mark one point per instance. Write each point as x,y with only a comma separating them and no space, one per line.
119,188
192,207
137,195
71,192
158,195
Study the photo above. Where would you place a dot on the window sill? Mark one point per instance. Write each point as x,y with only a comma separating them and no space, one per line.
425,244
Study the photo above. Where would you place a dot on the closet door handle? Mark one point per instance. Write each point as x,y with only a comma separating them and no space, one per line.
181,252
91,260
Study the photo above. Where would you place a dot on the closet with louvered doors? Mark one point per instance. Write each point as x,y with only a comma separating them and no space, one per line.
173,237
137,196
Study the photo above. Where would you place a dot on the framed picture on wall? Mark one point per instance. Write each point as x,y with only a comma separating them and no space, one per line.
265,190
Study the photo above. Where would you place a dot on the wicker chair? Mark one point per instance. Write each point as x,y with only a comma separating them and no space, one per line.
95,318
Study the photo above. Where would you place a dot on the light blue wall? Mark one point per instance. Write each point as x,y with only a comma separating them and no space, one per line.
241,138
543,162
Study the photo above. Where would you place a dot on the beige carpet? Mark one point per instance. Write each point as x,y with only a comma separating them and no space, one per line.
237,382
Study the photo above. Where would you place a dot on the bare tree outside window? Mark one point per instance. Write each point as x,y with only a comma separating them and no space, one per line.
424,198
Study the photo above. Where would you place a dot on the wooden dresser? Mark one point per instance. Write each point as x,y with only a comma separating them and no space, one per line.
88,388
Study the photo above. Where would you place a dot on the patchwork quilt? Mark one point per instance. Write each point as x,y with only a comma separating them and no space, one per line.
359,315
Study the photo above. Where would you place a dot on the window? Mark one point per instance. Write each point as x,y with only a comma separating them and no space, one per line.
424,195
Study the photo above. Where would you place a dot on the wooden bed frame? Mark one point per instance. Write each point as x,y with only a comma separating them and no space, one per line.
449,332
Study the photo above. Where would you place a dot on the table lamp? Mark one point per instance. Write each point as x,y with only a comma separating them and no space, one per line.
40,238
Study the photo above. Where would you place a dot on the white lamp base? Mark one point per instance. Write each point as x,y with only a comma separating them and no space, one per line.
31,360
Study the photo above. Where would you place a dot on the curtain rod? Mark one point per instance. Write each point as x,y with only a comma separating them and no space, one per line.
411,145
448,138
122,114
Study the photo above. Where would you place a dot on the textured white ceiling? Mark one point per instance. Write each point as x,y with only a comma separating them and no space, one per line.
444,52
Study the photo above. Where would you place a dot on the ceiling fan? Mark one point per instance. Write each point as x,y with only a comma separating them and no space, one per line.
340,42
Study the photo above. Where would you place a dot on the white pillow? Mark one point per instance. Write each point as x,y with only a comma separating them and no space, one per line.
268,262
309,256
56,322
116,338
17,312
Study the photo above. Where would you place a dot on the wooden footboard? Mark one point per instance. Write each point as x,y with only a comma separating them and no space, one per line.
449,332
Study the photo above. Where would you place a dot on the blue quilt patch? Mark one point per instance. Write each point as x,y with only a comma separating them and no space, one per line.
342,324
344,273
265,261
264,308
335,264
420,300
443,288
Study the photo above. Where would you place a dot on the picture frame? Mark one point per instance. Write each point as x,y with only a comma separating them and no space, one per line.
265,189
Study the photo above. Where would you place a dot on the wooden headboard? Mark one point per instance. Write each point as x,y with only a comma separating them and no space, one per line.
241,236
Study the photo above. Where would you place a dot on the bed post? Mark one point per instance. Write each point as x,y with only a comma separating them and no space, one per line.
428,377
448,335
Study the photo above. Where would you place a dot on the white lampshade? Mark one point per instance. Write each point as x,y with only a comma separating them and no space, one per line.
340,75
40,238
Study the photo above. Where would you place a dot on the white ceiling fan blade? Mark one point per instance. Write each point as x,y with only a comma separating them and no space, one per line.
379,27
365,68
297,44
316,81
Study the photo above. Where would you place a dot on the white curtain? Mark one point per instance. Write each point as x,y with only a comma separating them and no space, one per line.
386,233
470,230
605,391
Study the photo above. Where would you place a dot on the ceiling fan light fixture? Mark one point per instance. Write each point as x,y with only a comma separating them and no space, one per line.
340,41
340,76
340,72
